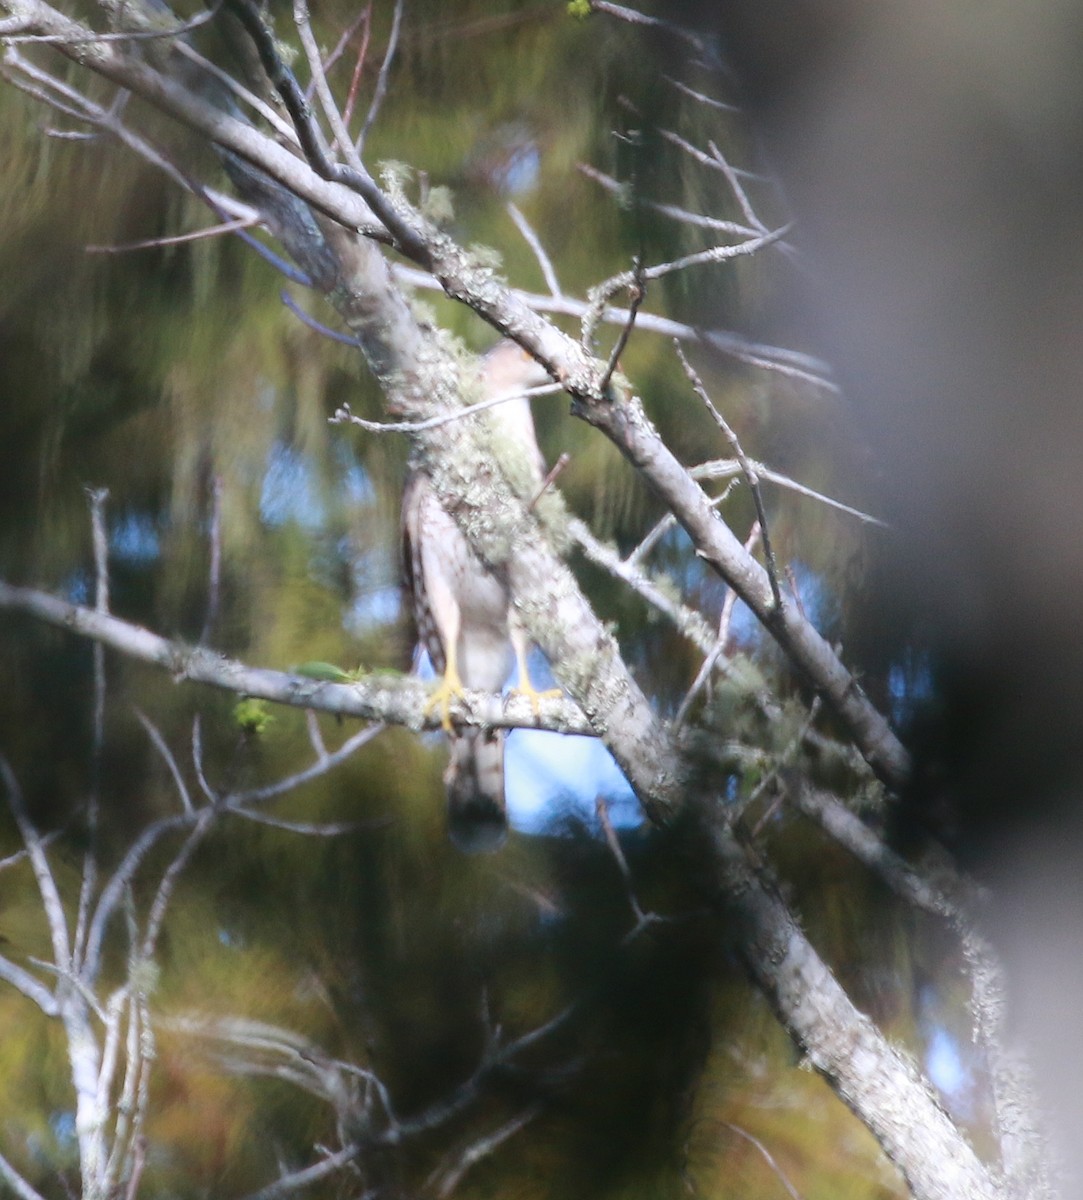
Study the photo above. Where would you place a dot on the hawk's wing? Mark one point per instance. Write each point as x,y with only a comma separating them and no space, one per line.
416,497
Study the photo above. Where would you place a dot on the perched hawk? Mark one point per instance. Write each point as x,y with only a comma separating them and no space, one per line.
464,615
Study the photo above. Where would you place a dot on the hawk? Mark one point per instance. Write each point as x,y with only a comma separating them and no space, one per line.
464,615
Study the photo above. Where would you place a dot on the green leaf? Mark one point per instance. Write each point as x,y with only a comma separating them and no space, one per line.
253,716
325,671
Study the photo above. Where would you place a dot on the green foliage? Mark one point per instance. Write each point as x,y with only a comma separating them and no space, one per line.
327,672
254,717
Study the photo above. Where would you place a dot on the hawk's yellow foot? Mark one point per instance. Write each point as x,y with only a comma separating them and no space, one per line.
526,688
449,689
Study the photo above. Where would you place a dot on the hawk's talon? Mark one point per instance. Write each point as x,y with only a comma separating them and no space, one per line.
449,689
535,697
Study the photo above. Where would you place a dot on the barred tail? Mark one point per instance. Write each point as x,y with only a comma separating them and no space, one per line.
477,817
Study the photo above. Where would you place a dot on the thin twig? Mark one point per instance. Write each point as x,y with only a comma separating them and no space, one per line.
749,472
94,114
89,879
638,291
688,621
380,91
740,195
119,882
634,17
20,1188
803,368
359,61
789,753
283,128
534,242
729,604
166,754
324,763
304,1178
326,331
602,293
482,1148
14,859
31,987
651,539
169,881
768,1158
308,828
727,468
176,239
672,211
50,894
711,661
339,134
343,414
315,737
197,760
132,35
551,477
701,97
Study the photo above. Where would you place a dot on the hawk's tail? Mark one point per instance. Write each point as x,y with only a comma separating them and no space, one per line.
477,817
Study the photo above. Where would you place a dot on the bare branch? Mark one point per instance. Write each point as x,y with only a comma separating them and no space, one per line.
344,415
637,290
315,736
13,859
688,621
258,105
177,239
43,874
634,17
365,19
674,212
325,762
32,988
728,468
100,542
119,882
482,1148
166,754
718,649
803,368
767,1157
297,1180
700,97
380,91
308,828
323,89
379,697
16,1182
197,760
772,777
534,242
344,339
748,469
169,880
175,31
885,1089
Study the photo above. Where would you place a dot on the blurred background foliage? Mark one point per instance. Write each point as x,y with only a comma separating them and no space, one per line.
175,374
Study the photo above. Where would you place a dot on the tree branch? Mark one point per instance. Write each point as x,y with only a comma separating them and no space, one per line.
397,700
